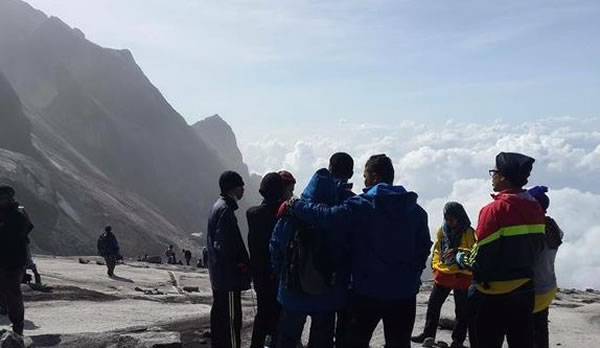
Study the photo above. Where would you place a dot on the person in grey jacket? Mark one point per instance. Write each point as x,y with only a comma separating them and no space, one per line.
228,262
544,275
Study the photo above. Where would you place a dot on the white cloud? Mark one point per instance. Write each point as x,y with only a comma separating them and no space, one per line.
450,162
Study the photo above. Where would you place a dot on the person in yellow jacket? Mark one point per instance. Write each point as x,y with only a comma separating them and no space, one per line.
455,234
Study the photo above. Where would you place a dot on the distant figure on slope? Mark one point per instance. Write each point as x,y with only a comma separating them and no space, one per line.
170,254
108,248
261,221
455,234
187,254
544,275
228,263
204,260
510,237
15,227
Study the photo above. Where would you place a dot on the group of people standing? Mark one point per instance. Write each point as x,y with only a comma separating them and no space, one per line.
350,261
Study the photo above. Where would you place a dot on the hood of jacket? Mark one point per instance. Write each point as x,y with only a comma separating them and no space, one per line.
391,199
322,188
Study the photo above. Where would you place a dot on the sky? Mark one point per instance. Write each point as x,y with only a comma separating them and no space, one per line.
439,86
298,63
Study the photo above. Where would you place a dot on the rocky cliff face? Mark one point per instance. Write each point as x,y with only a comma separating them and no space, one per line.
88,141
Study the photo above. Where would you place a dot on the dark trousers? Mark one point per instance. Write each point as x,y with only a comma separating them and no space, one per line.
187,260
111,263
365,313
540,331
292,324
341,325
267,314
226,319
438,296
12,298
507,315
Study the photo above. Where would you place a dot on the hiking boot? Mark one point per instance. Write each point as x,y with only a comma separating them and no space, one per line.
418,339
429,342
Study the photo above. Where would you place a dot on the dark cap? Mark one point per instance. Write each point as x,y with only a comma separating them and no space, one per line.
288,178
515,167
230,180
6,190
271,186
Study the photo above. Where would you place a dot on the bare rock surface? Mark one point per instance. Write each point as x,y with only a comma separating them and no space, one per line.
86,308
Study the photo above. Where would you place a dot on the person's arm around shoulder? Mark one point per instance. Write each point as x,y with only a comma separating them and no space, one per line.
322,216
423,239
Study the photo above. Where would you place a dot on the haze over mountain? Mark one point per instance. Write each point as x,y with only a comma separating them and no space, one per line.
87,140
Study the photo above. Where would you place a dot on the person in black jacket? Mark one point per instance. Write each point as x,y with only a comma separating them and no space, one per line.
108,248
228,263
261,221
15,227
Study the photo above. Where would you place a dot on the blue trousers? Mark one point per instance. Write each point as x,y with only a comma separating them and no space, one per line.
292,323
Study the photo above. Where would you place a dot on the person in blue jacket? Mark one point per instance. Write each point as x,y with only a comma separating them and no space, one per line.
389,246
323,188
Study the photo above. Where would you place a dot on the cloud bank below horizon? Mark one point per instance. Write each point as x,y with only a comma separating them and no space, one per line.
450,162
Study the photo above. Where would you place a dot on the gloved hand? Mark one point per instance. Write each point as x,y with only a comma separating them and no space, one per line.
461,259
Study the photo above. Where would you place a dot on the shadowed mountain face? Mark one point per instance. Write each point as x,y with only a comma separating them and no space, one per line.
89,141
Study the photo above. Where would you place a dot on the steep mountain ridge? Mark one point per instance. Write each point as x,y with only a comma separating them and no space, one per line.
106,144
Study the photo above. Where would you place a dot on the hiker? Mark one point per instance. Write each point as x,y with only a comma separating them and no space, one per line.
261,221
544,274
510,236
108,248
187,254
15,227
170,254
389,243
204,257
313,265
341,166
455,234
228,263
289,184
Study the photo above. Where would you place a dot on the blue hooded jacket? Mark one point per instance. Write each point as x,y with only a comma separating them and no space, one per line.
322,189
389,239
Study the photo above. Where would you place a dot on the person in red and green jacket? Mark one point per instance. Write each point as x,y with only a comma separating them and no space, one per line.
510,237
455,234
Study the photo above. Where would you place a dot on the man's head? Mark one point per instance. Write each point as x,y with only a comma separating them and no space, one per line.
341,166
289,184
271,187
232,185
7,196
511,171
379,169
108,229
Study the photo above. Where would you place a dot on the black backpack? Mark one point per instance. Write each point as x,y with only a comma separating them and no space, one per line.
309,264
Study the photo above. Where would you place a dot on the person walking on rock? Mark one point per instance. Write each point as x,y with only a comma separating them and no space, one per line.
544,274
170,254
187,254
389,243
455,234
261,221
108,248
510,237
228,263
15,227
